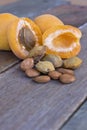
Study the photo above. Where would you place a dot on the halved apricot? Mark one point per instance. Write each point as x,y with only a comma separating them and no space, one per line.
5,20
62,40
46,21
23,35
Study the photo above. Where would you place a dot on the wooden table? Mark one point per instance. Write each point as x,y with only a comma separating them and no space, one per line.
25,105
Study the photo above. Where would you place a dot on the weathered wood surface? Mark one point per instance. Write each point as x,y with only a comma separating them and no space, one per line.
79,120
68,13
78,2
7,60
2,2
30,8
25,105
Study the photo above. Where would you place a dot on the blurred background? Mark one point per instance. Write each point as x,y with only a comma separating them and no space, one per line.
28,7
32,8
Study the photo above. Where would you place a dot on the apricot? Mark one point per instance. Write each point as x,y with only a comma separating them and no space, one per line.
46,21
62,40
5,20
23,34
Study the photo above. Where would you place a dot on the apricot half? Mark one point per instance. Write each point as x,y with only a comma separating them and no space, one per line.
23,35
46,21
5,20
62,40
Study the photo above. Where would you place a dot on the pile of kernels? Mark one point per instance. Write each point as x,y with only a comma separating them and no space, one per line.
49,67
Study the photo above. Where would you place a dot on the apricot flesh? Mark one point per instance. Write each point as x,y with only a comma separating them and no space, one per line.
5,20
62,40
23,35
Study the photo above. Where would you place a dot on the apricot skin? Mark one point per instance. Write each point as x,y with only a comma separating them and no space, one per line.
13,36
46,21
5,20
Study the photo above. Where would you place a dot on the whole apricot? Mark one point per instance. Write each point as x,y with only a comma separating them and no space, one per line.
47,21
5,21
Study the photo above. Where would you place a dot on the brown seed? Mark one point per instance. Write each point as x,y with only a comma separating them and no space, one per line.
26,38
54,74
65,71
44,66
37,53
29,38
56,60
42,79
72,63
32,73
27,64
67,78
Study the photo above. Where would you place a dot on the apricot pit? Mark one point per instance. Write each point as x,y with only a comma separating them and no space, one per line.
23,35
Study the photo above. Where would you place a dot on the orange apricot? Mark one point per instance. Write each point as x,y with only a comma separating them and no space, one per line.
46,21
23,35
62,40
5,20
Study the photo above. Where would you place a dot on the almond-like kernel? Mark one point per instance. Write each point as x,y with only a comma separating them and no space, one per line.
54,74
32,73
67,78
27,64
42,79
65,71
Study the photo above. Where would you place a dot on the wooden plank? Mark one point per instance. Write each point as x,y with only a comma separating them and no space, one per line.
7,60
26,105
7,2
30,8
68,13
78,2
79,120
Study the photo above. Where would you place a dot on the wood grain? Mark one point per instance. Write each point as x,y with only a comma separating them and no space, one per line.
79,120
69,14
26,105
7,60
30,8
78,2
2,2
